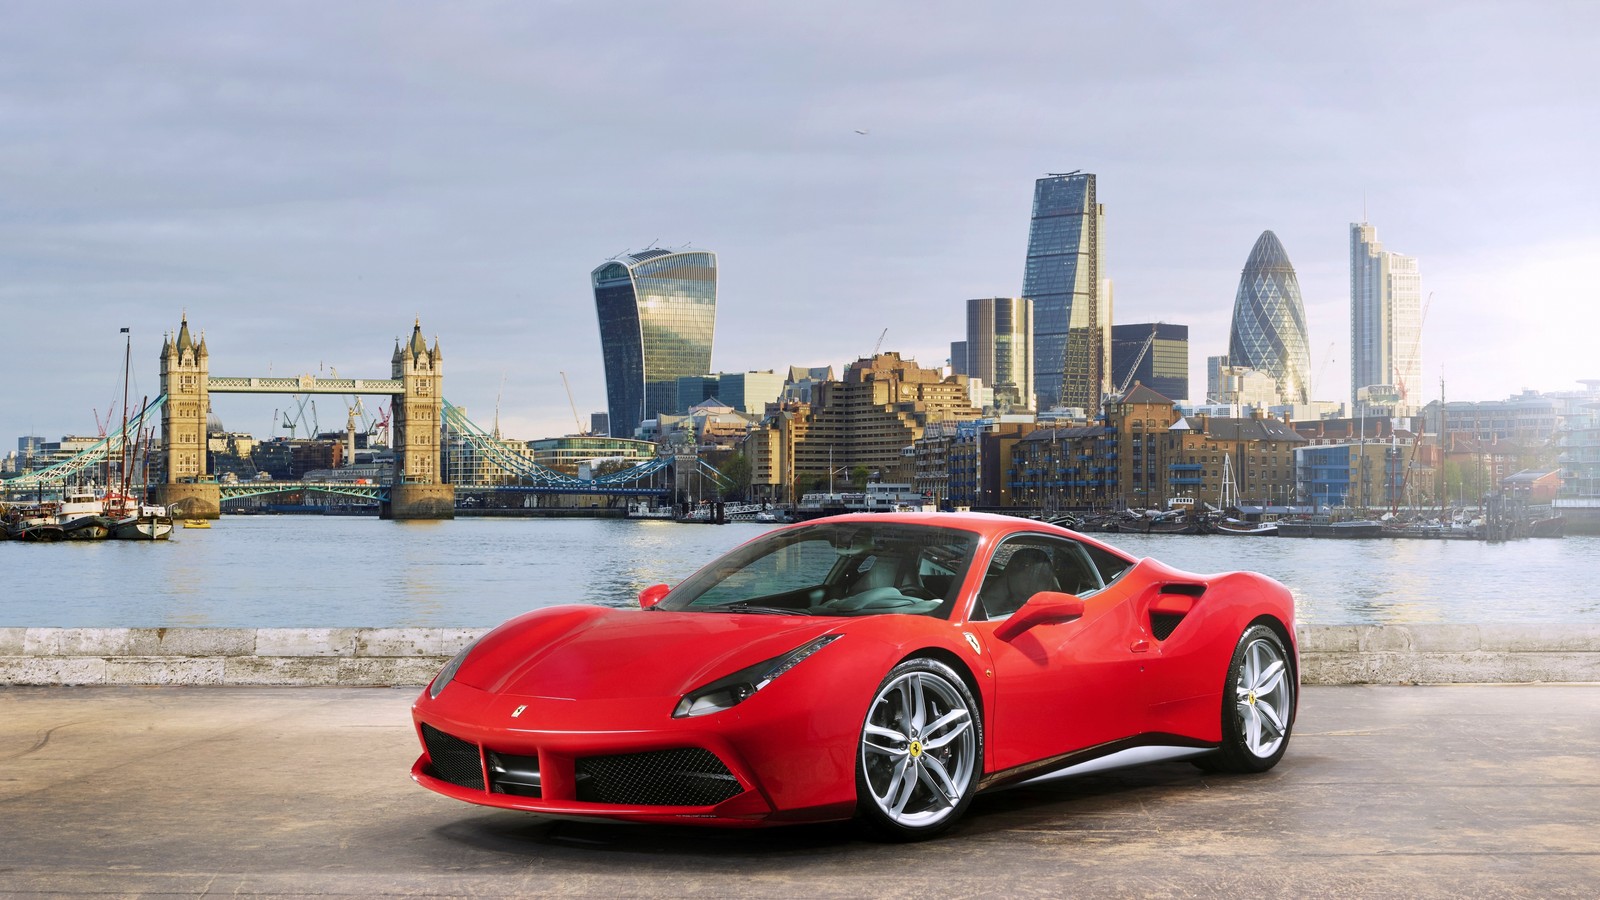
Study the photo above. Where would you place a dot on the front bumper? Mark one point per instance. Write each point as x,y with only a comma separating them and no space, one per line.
739,767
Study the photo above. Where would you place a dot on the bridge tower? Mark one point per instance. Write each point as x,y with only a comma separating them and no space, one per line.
189,492
419,491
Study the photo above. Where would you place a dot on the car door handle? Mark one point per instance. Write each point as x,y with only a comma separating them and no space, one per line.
1140,645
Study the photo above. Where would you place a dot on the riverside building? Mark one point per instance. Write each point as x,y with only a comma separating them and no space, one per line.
870,418
657,311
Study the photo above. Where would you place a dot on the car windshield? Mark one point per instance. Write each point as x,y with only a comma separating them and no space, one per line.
835,569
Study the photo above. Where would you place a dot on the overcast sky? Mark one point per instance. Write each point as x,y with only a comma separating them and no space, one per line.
306,178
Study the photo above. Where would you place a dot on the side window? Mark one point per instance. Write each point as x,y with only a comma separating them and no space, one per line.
1025,565
1110,565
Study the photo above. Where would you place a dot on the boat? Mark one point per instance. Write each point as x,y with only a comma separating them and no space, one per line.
1549,527
37,523
149,523
82,517
196,523
1246,529
643,510
1322,526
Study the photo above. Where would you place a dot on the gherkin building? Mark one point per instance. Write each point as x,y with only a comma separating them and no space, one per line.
1269,321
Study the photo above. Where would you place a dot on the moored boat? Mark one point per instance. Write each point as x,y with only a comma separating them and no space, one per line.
1326,527
150,523
1246,529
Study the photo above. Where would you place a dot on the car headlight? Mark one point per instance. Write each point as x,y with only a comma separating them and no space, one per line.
731,690
449,671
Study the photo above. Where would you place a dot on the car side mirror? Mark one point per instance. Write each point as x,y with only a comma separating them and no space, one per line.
1043,608
650,596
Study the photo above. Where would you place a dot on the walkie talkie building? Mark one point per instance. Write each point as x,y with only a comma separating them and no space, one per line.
658,312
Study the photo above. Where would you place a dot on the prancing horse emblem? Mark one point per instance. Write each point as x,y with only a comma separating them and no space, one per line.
517,713
973,640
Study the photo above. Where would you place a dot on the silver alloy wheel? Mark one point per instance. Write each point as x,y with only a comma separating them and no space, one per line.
1264,697
918,749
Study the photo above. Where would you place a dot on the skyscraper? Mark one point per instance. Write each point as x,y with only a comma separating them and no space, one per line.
657,311
1163,367
1000,348
1269,321
1071,314
1385,324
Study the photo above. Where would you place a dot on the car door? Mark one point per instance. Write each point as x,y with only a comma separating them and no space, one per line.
1058,687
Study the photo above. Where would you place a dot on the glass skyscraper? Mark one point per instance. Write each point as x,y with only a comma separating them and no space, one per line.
1071,317
1163,367
657,311
1385,325
1269,321
999,349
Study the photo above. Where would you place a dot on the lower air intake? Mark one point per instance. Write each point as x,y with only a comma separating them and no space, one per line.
686,777
452,759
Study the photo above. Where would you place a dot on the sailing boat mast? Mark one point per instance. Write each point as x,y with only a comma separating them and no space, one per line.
122,436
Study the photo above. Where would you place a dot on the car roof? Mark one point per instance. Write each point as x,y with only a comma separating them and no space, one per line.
988,525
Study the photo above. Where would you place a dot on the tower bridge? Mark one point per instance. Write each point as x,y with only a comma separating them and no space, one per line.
420,420
415,377
420,416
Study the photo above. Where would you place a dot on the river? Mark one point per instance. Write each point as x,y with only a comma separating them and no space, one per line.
305,571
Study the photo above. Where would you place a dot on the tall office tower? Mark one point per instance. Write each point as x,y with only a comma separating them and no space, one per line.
958,358
1385,322
1000,349
1269,321
657,310
1064,278
1155,354
1214,367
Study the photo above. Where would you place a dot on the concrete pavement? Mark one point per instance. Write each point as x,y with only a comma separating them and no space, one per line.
1487,791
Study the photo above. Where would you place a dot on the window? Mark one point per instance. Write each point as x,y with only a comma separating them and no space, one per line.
1025,565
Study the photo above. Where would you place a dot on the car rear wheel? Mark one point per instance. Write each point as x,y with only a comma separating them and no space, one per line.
1258,705
921,751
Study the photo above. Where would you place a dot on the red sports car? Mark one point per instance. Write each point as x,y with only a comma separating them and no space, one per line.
887,667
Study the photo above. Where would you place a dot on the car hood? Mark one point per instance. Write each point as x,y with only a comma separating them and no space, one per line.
587,652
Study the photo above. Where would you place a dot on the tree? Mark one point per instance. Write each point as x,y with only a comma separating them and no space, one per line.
736,468
859,476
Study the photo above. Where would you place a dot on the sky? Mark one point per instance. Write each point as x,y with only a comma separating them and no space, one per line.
306,179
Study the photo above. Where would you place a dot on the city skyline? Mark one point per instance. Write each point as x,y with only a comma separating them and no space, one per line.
305,185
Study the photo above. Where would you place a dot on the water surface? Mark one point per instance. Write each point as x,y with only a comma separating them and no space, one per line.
307,571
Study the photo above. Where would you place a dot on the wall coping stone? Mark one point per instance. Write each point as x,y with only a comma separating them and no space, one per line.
1329,654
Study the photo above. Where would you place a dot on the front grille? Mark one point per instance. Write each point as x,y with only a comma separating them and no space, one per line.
518,775
685,777
452,759
1163,624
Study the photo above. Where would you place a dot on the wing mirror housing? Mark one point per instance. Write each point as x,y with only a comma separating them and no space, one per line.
650,596
1043,608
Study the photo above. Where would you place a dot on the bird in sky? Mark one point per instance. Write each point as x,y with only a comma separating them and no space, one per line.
860,131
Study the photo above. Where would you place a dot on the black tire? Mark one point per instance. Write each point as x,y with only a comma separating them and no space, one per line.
1259,702
922,725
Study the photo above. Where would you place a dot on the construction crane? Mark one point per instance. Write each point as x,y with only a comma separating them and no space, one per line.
1327,360
1133,368
582,432
879,345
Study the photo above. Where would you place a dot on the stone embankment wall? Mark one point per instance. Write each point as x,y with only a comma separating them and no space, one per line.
1329,654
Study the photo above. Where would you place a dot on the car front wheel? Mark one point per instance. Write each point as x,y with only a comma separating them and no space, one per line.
1258,705
921,752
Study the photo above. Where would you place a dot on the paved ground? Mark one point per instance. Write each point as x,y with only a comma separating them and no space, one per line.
1386,791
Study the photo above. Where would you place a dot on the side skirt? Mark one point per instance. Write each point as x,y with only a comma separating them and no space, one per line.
1134,751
